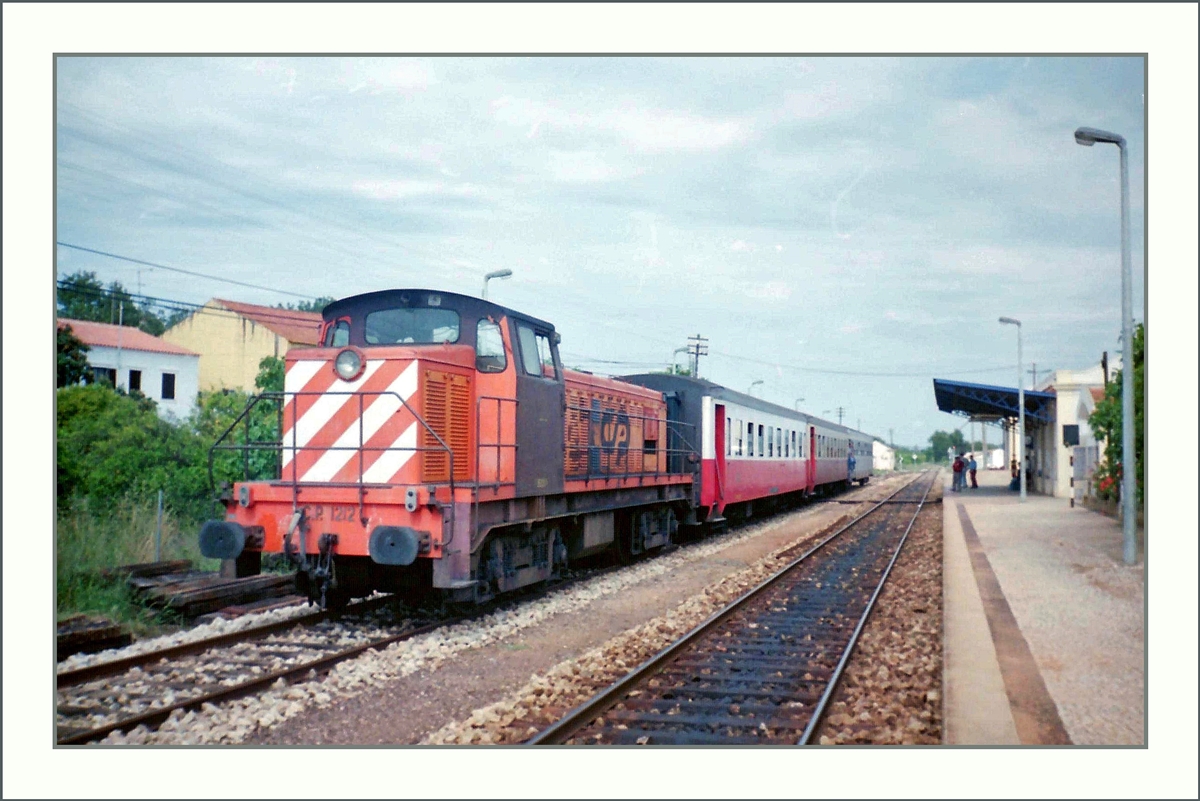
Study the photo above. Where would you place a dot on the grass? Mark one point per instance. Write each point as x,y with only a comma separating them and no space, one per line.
91,537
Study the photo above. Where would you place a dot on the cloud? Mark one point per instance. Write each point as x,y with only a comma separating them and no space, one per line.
642,128
581,166
741,245
398,189
769,290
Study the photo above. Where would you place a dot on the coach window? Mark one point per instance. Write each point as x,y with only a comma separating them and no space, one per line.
741,434
793,439
750,438
728,436
770,443
778,442
489,348
760,440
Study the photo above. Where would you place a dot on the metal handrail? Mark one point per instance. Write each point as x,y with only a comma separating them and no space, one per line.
608,450
282,398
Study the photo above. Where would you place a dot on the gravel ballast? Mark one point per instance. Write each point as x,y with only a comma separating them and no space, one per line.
406,692
891,690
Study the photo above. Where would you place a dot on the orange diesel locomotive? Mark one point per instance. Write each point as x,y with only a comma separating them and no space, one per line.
435,440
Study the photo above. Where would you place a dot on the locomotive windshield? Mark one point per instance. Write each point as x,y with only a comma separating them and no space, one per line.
407,326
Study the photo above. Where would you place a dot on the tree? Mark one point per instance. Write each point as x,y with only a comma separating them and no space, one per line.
317,305
1106,419
72,358
941,441
81,296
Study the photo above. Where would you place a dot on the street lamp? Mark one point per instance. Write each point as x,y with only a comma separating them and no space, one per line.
675,356
1021,409
753,385
1088,137
494,274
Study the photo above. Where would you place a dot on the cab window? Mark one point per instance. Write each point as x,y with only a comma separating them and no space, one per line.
338,336
537,358
411,326
489,348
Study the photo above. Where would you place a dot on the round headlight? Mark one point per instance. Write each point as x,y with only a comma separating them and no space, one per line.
348,365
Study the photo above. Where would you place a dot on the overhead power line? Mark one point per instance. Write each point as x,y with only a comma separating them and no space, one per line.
267,313
181,270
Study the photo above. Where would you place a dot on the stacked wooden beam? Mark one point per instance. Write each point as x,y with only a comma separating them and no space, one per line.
88,635
209,592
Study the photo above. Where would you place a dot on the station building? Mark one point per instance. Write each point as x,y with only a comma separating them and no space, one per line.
1060,449
131,359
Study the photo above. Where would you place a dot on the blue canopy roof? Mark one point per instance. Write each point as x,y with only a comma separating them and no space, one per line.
980,400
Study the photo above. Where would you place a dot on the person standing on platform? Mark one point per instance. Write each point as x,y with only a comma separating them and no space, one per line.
972,466
957,468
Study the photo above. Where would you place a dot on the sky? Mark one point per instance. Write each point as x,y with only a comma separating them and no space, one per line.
842,229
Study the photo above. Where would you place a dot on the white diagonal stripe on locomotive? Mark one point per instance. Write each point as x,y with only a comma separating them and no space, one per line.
300,377
378,410
324,409
391,461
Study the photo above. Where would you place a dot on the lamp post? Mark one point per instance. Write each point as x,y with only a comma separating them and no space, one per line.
494,274
675,357
1020,409
753,385
1088,137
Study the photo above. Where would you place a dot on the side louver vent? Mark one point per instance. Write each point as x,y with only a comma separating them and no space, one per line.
447,409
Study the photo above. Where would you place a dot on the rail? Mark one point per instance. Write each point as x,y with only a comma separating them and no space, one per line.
588,712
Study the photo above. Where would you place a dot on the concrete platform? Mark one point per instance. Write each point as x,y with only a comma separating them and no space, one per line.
1044,623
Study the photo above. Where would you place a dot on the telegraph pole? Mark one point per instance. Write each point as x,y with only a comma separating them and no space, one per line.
1033,372
698,348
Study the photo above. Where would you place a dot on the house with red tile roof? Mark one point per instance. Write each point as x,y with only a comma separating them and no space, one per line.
134,360
233,337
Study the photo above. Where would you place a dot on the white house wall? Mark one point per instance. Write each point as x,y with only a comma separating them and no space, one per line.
153,365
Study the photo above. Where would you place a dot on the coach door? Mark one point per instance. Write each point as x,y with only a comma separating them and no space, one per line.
541,406
812,458
719,435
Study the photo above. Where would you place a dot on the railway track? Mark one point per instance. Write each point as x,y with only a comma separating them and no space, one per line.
146,689
762,670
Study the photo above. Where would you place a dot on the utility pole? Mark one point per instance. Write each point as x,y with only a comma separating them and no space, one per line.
699,347
891,439
1033,372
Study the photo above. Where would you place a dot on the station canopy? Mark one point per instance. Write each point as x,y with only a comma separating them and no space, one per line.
985,401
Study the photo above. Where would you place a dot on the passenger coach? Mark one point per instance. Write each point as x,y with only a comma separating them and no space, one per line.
753,451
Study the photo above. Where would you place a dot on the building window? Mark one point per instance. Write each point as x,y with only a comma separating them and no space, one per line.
104,375
168,386
135,380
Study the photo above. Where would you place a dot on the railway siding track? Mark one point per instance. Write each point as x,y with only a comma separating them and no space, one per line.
148,689
762,670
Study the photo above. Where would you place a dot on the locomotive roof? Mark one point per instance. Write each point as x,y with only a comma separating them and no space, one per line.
389,297
666,381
